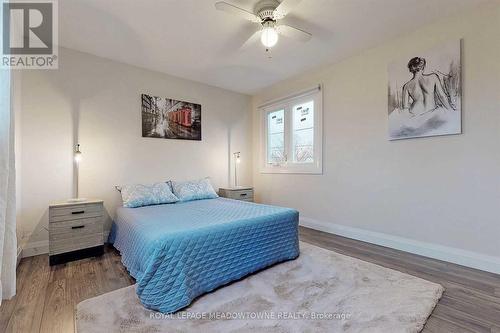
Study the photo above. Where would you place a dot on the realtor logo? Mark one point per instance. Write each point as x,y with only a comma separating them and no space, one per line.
29,35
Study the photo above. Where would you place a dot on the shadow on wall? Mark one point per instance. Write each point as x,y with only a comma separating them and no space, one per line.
229,154
66,79
35,241
110,217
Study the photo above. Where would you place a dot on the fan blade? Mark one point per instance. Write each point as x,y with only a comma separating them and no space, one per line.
294,33
251,40
228,8
284,8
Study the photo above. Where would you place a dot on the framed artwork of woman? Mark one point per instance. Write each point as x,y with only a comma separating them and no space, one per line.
424,97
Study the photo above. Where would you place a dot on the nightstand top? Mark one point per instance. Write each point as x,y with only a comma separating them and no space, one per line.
73,203
237,188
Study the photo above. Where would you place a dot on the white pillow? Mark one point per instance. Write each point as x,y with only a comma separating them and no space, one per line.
194,190
138,195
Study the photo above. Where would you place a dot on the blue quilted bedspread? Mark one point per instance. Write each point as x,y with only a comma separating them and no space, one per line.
177,252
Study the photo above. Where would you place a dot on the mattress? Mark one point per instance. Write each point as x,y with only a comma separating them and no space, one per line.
177,252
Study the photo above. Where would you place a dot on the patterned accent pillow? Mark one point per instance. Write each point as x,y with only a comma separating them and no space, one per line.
194,190
139,195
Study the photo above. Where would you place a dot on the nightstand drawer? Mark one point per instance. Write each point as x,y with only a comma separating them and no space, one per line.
240,194
75,212
245,194
75,228
75,243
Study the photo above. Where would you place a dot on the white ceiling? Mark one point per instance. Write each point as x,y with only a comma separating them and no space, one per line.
190,39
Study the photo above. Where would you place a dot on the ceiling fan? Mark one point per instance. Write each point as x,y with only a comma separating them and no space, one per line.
267,13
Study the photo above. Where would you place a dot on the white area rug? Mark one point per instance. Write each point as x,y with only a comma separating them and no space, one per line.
321,291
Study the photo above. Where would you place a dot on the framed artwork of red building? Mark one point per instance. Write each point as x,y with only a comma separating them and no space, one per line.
170,119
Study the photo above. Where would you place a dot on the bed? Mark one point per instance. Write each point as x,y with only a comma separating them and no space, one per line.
177,252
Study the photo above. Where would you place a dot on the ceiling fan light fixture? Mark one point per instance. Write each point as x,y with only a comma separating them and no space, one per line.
267,13
269,36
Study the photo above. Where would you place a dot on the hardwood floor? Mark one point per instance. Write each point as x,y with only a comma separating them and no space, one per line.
47,296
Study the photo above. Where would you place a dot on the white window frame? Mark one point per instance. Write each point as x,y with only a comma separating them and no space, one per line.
287,103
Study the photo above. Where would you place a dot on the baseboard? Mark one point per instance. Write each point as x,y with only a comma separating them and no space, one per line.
457,256
19,255
35,248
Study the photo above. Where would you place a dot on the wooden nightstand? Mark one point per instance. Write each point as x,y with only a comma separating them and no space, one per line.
237,193
75,230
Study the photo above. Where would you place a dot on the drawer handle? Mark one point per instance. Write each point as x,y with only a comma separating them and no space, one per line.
243,194
78,212
78,227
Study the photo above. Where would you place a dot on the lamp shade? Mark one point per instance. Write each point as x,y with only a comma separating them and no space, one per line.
78,154
237,161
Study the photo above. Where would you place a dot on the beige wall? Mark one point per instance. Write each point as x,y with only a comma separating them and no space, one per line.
100,99
439,190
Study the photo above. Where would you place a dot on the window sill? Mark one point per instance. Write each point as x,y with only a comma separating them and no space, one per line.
310,169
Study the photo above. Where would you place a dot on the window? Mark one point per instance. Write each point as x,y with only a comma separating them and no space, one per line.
292,134
276,136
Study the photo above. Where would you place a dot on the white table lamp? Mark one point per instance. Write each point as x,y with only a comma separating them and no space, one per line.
237,161
78,158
